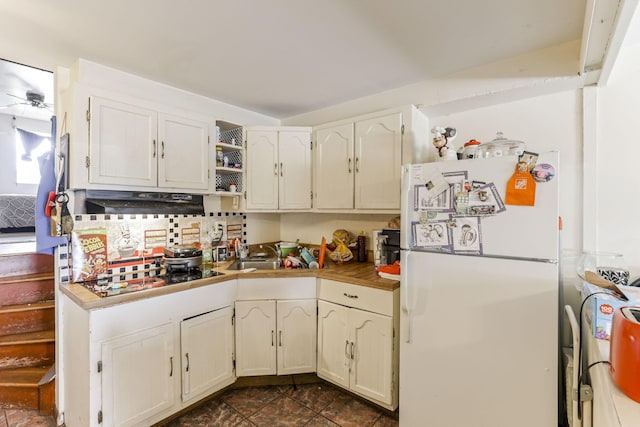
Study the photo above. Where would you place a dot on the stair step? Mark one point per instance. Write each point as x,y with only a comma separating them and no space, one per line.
26,278
25,264
27,349
17,319
26,289
19,387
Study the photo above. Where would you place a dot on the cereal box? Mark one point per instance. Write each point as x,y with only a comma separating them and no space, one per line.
88,254
598,311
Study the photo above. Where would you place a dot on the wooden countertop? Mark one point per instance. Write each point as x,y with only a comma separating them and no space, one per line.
358,273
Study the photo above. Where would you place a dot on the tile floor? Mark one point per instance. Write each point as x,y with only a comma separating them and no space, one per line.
24,418
309,405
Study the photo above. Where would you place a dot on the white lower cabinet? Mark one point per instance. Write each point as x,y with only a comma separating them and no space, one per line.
137,376
275,337
126,364
357,340
276,326
206,344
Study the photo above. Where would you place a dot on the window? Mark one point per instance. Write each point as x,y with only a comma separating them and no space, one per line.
29,146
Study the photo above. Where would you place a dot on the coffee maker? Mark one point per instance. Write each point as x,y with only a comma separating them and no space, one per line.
387,246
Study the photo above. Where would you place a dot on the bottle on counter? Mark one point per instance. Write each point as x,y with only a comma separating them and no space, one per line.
362,248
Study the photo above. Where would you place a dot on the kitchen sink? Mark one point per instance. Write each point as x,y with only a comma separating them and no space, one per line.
258,264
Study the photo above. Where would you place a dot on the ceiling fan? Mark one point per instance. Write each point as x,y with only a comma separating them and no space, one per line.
33,98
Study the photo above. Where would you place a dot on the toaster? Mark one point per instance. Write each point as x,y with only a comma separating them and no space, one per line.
625,351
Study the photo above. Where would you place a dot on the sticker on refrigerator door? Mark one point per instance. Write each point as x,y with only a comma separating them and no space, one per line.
431,235
437,193
465,236
543,172
521,187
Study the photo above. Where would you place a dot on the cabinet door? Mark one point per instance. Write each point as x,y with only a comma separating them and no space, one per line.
262,169
206,342
294,180
333,343
255,338
137,376
183,153
378,162
372,362
296,320
122,144
334,168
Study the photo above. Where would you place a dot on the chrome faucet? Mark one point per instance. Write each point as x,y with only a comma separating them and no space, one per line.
277,251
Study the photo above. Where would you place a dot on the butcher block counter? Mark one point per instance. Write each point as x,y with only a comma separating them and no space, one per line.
357,273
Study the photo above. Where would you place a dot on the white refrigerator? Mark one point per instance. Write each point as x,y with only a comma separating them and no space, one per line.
479,296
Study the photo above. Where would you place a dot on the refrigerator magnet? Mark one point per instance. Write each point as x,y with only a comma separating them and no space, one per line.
543,172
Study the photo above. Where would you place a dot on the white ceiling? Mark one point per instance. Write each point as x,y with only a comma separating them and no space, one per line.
282,57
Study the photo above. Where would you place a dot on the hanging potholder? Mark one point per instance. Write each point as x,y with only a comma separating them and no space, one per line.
521,187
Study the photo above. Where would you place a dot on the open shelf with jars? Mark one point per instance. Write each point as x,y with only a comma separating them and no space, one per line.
229,159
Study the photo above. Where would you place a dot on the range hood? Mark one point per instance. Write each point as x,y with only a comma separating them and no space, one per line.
138,202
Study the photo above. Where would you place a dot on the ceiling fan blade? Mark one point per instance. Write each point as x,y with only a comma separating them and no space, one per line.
11,105
16,96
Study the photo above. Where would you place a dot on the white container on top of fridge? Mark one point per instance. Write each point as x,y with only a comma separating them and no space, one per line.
479,299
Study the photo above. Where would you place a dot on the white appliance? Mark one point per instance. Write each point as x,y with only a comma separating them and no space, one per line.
479,298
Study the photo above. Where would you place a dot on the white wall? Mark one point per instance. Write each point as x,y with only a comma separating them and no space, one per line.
616,204
8,184
311,227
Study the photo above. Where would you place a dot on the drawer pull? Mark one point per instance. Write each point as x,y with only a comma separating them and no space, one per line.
280,338
272,335
350,296
351,350
346,349
171,366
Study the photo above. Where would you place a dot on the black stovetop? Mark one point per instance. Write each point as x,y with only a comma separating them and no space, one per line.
106,288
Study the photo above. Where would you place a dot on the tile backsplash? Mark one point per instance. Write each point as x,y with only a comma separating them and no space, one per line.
135,241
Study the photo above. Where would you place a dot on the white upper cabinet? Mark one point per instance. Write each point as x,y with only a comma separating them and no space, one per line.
183,161
278,168
357,165
262,172
333,170
378,161
133,146
123,144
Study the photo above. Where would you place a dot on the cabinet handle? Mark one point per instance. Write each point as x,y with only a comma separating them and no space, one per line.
275,169
280,338
171,366
281,171
357,165
187,369
351,350
350,296
162,155
154,148
272,336
346,349
349,166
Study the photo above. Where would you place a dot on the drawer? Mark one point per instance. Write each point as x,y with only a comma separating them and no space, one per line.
276,288
362,297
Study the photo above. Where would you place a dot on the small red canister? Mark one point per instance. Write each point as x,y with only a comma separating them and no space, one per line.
625,350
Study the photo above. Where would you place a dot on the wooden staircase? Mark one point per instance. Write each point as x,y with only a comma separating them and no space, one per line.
27,332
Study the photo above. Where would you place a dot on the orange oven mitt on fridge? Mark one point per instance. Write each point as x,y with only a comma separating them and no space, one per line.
521,187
